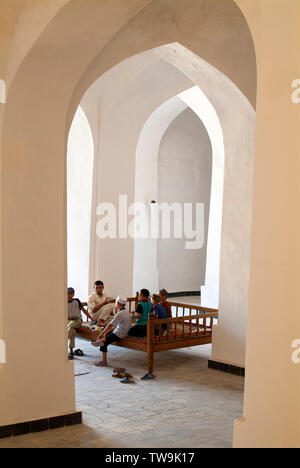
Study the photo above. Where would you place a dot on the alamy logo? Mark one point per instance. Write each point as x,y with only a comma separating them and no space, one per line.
296,353
152,221
2,352
296,93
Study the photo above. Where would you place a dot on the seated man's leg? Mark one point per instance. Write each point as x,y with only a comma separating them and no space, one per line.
138,331
72,325
96,316
106,314
110,338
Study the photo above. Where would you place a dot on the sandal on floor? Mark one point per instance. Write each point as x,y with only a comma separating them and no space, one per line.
119,369
148,377
78,352
121,375
101,364
126,380
70,356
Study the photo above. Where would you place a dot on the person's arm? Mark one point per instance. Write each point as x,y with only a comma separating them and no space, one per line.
110,327
98,307
139,311
105,332
87,314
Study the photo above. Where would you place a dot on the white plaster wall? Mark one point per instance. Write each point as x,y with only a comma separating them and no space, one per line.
125,97
145,253
234,112
184,176
145,270
80,158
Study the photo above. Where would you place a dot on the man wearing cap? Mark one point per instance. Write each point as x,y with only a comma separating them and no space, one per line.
115,331
163,301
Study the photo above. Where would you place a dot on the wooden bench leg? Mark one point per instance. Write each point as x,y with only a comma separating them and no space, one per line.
150,343
150,361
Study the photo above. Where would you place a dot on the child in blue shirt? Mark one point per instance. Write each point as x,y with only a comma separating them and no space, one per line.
159,311
143,311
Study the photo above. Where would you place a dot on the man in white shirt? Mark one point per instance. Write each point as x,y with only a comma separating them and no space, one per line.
101,308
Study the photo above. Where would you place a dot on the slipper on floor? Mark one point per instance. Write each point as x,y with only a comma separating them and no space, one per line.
126,380
78,352
121,375
129,376
101,364
148,377
119,369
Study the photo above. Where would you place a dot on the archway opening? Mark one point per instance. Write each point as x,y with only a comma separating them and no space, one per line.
67,65
147,156
80,164
123,108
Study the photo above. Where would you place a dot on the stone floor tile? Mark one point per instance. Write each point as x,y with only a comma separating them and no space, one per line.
186,405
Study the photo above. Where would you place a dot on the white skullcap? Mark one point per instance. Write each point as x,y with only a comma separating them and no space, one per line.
121,300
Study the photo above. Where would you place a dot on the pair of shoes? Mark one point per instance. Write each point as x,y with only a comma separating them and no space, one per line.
119,369
148,377
121,375
101,364
127,380
97,344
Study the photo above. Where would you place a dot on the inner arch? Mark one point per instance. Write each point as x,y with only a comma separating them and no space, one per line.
146,188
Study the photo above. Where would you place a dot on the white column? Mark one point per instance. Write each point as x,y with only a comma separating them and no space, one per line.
272,393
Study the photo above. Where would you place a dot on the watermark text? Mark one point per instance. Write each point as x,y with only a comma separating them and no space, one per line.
296,93
296,352
152,221
2,352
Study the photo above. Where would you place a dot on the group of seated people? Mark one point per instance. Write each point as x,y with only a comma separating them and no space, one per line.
114,318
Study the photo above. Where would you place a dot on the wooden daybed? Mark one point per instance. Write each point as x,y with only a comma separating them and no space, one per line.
190,326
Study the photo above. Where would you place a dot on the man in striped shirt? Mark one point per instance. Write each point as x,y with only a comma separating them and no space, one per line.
115,331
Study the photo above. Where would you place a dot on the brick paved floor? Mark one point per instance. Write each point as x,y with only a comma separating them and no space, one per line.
188,405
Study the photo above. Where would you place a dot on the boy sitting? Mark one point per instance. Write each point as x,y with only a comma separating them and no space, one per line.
159,312
115,331
74,319
143,311
163,300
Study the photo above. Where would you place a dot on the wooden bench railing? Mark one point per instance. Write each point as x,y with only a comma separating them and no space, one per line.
181,327
179,332
190,308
